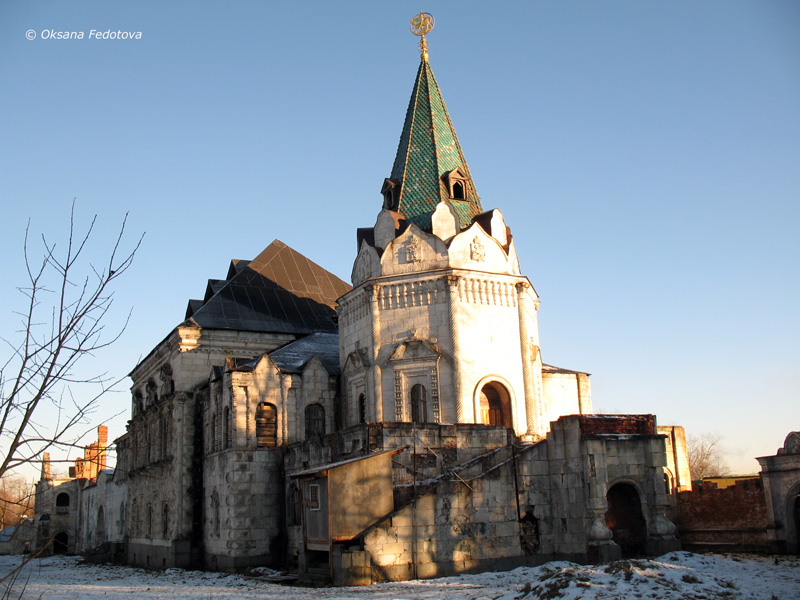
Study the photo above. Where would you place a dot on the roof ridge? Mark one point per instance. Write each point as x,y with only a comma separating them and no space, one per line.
433,127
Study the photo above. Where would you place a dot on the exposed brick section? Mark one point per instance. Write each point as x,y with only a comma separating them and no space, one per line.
729,519
617,424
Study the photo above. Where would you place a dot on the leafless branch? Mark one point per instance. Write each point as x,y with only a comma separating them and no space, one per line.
68,299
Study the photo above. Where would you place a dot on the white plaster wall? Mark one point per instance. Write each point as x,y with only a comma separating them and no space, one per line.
561,393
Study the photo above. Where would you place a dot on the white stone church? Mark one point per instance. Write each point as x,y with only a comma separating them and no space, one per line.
401,427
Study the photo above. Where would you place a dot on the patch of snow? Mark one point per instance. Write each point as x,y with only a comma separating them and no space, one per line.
677,575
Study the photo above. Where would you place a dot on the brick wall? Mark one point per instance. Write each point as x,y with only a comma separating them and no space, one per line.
728,519
617,424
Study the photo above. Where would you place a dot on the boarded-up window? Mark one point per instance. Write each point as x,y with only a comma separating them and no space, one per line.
419,404
266,425
315,421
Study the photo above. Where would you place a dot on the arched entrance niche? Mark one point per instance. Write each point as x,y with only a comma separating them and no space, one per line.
796,514
493,403
100,528
793,520
625,519
61,543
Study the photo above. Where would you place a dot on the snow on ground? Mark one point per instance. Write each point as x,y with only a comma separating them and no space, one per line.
677,575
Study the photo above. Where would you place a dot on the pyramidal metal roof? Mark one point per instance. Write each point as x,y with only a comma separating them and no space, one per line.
279,291
428,150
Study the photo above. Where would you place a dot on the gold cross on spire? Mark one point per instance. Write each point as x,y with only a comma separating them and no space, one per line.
421,25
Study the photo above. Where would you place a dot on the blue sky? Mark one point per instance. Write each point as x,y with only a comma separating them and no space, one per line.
646,156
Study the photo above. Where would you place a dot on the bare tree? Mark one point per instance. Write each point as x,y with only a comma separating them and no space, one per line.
705,455
16,500
67,302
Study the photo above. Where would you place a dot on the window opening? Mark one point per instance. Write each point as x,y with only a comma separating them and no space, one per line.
266,425
313,496
495,406
315,421
362,409
226,426
419,404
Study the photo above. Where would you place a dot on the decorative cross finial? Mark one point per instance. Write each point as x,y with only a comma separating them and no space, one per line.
421,25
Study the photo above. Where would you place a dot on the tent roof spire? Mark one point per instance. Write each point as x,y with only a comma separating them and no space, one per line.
430,166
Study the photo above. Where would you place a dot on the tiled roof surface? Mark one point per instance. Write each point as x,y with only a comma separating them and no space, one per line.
280,291
428,149
293,357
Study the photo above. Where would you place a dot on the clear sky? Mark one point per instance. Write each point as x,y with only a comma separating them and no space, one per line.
646,156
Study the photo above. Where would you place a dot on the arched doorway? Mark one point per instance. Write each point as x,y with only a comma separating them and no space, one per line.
495,405
61,543
625,519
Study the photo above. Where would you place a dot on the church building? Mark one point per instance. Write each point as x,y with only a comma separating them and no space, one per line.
402,427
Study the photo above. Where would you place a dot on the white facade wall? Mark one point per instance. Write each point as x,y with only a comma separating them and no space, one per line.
463,301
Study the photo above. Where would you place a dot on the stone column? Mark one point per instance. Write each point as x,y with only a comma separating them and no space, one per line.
527,359
375,320
600,545
452,297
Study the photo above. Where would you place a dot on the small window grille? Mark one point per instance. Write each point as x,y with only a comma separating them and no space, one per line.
313,496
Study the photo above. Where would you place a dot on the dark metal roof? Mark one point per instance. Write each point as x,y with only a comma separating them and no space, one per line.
280,291
552,369
294,356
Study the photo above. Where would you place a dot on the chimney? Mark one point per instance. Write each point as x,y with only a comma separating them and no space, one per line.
102,442
46,466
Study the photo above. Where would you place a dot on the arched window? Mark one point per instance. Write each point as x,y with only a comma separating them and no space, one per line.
458,190
135,529
266,425
362,408
165,522
495,405
315,421
215,512
100,527
295,508
62,499
164,435
226,427
419,404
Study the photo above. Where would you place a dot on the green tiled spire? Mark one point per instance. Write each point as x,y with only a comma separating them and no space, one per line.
428,150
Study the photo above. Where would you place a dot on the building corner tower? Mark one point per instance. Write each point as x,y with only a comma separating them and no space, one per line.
441,326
